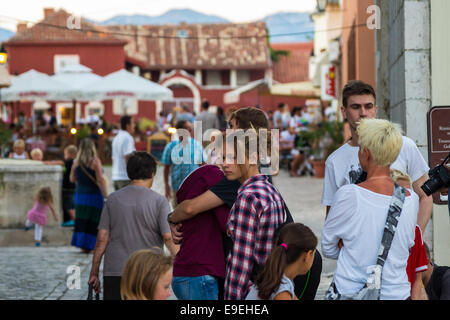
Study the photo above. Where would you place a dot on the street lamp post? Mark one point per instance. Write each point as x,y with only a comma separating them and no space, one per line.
321,5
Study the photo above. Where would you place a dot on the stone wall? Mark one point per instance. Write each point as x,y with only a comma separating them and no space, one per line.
403,46
19,182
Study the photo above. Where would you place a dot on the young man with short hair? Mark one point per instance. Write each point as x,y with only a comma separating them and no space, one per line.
190,150
342,166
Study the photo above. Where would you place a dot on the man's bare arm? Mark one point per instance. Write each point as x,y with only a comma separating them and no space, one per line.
190,208
100,248
425,202
166,181
99,251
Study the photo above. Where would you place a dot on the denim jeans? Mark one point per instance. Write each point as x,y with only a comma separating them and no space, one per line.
195,288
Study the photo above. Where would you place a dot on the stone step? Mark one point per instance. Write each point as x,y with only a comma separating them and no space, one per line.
51,237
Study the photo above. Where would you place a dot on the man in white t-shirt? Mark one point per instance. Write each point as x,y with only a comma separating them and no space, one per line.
342,166
122,147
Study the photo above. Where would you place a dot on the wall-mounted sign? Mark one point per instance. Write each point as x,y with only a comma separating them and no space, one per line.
328,82
438,142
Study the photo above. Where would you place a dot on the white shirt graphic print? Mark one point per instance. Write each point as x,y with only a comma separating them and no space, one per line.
342,167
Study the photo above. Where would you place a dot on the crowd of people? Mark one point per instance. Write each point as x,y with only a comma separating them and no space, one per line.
228,230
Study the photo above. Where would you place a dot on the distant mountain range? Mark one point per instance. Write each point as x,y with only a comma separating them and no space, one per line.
174,16
297,24
280,23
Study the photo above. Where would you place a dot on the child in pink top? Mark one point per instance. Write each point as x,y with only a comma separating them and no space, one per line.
38,214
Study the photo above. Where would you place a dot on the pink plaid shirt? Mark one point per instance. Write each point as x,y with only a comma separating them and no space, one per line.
256,214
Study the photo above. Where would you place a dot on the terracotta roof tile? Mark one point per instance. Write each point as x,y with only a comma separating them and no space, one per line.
295,66
207,46
53,28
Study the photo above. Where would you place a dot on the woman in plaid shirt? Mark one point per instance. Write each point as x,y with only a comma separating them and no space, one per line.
257,212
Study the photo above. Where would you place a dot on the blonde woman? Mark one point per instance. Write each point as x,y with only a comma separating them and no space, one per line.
90,191
354,227
147,276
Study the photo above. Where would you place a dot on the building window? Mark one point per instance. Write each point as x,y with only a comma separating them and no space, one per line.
94,110
243,77
125,106
62,60
65,113
213,78
182,34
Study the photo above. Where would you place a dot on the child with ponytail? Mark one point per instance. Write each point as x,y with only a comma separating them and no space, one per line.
292,255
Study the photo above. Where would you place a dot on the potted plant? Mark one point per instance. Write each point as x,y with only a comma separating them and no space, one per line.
333,135
5,137
324,138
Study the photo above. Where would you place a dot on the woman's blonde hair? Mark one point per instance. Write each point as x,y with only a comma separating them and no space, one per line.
398,175
142,272
44,195
86,152
19,143
383,139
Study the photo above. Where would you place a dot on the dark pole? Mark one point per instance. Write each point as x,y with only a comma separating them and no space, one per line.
74,105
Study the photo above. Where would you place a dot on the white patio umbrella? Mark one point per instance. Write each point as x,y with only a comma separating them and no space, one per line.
33,85
5,78
124,84
76,76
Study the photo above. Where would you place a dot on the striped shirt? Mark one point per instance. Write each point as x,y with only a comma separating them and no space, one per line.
253,219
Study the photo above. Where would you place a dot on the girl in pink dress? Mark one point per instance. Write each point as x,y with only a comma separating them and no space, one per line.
38,214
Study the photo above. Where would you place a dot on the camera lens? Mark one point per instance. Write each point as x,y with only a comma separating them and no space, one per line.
432,185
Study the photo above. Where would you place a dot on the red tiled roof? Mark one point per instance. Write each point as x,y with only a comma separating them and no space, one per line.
53,28
160,48
295,66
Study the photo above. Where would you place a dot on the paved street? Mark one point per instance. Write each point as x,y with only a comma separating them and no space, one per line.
42,273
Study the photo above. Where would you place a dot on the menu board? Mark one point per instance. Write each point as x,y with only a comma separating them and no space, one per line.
438,142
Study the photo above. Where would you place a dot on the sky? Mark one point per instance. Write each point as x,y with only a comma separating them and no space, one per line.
233,10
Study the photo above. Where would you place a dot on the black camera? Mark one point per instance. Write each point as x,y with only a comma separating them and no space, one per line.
439,178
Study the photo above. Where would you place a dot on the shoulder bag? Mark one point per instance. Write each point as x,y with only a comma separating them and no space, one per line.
93,179
372,287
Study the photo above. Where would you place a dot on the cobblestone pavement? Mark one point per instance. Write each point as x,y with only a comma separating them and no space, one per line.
29,273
